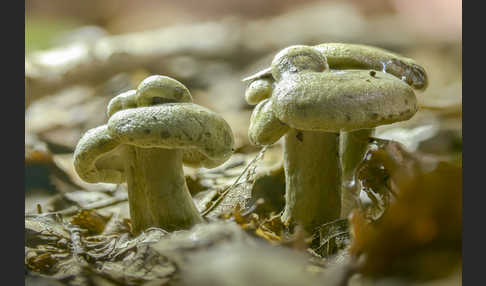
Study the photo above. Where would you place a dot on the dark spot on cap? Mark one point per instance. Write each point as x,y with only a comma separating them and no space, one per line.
300,136
130,139
374,115
372,73
146,131
406,101
164,134
207,134
348,117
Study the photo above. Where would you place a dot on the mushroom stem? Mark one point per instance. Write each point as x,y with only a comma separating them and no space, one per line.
353,148
313,178
157,190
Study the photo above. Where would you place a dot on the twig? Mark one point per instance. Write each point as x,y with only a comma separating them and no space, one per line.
229,188
93,206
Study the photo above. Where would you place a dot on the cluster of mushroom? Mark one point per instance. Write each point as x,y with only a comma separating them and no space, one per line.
150,133
315,97
309,96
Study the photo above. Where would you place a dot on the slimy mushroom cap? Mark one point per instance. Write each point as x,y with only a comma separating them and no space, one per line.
356,56
343,56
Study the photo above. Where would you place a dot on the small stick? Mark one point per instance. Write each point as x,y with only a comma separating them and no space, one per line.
93,206
211,207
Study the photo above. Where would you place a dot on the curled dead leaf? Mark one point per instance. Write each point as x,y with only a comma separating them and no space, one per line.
90,220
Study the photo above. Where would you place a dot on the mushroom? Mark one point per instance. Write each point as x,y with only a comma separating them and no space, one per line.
309,105
353,144
150,133
352,56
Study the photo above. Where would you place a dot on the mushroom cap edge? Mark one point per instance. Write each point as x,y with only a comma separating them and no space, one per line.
95,144
265,128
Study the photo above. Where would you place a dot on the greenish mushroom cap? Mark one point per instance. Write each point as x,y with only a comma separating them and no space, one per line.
122,101
295,59
258,90
157,89
204,137
265,128
308,96
204,134
97,157
342,100
342,56
354,56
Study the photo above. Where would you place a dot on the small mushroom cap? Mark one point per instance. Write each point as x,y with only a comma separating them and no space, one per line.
96,158
295,59
204,136
157,89
122,101
354,56
265,128
342,100
258,90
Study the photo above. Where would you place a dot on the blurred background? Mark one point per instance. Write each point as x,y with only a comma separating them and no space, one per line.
79,55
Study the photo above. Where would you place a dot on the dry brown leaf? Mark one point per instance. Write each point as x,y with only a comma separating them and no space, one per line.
90,220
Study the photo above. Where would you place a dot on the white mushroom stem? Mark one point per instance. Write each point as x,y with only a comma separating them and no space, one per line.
157,190
354,145
313,178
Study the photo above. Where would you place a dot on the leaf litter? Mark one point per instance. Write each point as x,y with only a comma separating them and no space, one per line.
75,246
